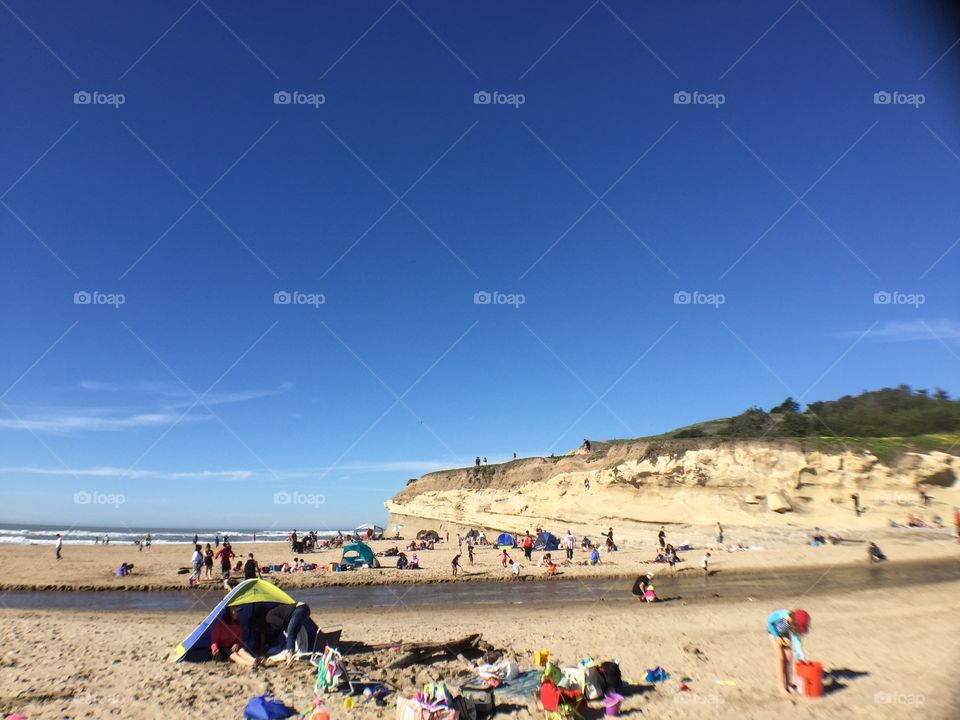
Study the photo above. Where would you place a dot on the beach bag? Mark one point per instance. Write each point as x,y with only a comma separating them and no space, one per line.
593,686
611,675
412,709
437,693
330,671
265,707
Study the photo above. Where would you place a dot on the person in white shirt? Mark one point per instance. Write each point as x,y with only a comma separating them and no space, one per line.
569,542
704,563
516,570
59,546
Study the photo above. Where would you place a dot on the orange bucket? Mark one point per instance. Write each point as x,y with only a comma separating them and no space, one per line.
811,676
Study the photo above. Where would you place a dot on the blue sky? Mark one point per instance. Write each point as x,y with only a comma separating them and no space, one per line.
588,194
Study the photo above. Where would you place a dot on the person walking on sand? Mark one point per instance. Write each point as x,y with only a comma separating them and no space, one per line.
251,568
455,564
662,538
718,535
208,561
196,538
59,547
516,570
225,554
586,483
470,550
504,558
704,564
785,628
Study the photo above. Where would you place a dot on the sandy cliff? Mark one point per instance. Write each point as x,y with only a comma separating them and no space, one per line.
765,484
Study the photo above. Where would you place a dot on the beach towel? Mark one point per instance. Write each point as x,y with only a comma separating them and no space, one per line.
657,675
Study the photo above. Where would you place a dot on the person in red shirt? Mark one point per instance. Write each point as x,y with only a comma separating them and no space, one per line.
225,554
227,641
528,547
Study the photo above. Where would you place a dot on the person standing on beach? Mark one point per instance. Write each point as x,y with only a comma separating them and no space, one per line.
516,570
197,562
208,561
59,546
106,539
455,564
470,551
225,554
856,503
662,539
569,542
528,546
216,540
196,538
785,628
704,564
718,535
251,568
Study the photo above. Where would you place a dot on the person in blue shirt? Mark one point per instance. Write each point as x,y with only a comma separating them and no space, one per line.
594,556
785,628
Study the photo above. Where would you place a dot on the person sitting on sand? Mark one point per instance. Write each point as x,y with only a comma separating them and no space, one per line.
124,569
818,538
227,641
414,562
402,561
289,617
785,628
594,556
874,553
546,560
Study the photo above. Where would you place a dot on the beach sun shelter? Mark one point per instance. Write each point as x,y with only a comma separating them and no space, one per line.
253,598
504,540
546,541
358,550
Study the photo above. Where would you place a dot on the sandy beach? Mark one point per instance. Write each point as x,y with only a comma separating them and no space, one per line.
892,655
93,567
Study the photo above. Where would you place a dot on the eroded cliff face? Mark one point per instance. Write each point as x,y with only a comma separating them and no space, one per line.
631,485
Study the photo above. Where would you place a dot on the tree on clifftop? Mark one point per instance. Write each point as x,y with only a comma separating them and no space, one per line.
787,406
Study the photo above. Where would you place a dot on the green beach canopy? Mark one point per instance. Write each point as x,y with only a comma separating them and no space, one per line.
246,595
354,550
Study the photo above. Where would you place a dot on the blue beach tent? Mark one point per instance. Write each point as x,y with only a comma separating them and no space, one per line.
546,541
504,540
254,598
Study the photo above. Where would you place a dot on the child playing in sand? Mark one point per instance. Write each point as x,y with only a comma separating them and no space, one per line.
516,570
704,563
785,628
455,564
504,558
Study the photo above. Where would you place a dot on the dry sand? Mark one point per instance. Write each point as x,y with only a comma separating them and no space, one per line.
94,567
894,653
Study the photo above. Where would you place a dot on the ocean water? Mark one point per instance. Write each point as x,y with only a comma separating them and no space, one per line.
12,534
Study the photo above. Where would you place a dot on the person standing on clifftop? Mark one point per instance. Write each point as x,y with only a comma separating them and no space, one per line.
478,461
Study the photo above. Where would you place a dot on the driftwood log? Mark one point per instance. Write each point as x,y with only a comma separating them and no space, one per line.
414,653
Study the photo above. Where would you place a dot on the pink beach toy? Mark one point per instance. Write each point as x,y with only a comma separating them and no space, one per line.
611,702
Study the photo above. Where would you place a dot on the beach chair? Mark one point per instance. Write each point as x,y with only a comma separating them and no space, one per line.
327,636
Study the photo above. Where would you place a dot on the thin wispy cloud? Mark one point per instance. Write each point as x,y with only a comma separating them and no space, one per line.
125,473
912,331
67,423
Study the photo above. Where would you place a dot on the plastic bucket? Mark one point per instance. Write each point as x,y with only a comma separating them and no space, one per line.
611,704
811,676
